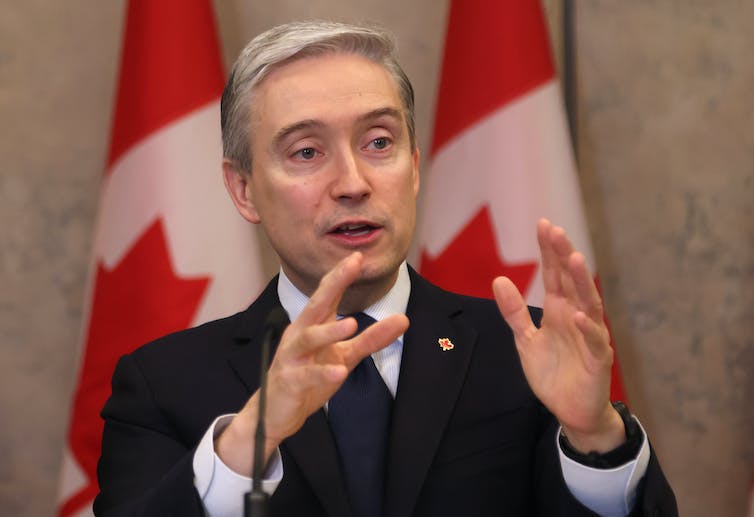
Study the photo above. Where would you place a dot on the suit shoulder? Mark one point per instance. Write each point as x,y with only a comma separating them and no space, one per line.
192,340
486,307
482,309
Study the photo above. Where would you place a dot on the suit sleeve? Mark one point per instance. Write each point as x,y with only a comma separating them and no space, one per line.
145,468
654,496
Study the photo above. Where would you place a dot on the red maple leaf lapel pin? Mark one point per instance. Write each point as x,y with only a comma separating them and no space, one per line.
445,344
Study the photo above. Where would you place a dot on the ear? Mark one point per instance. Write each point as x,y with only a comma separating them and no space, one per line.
416,171
238,185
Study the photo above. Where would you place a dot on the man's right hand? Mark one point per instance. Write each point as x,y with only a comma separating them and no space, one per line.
312,361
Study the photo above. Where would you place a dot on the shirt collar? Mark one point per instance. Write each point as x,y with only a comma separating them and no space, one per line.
394,302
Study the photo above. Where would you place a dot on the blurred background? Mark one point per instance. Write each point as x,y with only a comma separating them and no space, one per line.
665,121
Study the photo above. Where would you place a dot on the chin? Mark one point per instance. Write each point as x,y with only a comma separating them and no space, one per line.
376,274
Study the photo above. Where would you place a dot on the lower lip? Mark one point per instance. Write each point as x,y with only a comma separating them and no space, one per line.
356,240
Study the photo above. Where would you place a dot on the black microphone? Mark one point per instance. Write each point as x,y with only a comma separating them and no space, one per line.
255,502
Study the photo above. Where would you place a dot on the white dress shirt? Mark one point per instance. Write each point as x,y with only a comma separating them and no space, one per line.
609,492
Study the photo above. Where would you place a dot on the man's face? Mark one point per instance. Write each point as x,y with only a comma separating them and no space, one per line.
333,171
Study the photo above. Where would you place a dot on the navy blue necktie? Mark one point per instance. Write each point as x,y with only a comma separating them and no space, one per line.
359,415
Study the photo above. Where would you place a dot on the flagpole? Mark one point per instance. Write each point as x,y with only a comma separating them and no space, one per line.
569,72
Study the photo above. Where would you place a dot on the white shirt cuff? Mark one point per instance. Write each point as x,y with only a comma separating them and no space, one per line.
608,492
220,488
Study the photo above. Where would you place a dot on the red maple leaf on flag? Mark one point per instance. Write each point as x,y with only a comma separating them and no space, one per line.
471,261
136,301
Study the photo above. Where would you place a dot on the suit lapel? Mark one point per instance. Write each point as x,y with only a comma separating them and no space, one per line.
314,451
312,447
245,358
428,386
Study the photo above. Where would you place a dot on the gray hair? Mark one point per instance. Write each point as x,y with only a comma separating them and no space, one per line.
289,42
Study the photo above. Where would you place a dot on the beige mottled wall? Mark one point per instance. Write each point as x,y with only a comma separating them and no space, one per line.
667,150
666,144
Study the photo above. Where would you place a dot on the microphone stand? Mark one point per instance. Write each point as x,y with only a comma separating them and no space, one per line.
256,501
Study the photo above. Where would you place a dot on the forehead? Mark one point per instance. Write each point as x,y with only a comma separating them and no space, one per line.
329,88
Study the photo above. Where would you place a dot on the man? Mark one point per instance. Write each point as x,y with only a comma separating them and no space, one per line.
319,144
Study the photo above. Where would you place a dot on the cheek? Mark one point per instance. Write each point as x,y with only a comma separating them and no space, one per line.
409,189
295,204
278,193
302,196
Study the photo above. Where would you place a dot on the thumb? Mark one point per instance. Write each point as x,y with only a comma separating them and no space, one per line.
513,308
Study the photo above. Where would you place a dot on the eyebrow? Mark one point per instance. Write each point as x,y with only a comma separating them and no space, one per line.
382,112
297,126
284,132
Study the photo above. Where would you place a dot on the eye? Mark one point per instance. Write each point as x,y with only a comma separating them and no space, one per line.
307,153
380,143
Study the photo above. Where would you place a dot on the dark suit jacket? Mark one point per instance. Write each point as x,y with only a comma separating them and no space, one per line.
468,436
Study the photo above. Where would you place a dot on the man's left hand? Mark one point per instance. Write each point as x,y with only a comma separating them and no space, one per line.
567,360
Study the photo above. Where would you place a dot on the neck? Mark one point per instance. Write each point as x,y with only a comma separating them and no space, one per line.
364,293
361,294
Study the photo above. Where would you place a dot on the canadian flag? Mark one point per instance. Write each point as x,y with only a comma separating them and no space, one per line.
501,157
170,251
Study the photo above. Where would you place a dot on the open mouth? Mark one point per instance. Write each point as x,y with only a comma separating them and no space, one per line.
353,230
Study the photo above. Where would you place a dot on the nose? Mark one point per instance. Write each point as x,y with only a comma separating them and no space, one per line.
350,182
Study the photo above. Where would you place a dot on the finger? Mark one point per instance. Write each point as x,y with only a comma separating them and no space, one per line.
551,267
596,336
513,308
375,337
299,342
589,299
564,250
323,303
316,376
561,244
